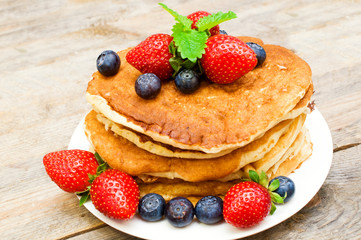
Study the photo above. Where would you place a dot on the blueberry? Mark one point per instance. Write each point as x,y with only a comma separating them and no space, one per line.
147,85
179,211
223,32
286,185
259,51
108,63
209,210
187,81
151,207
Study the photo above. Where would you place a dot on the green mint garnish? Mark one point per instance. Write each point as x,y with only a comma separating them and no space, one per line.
189,44
213,20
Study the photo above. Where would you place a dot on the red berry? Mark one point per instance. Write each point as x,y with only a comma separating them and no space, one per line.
115,194
246,204
227,58
198,15
152,56
69,169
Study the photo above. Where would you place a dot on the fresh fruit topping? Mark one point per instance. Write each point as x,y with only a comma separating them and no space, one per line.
152,56
69,169
246,204
286,187
227,58
259,51
108,63
223,32
115,194
198,15
187,81
189,43
151,207
148,86
179,211
209,209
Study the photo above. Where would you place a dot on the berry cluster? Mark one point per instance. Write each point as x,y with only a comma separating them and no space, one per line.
116,194
196,50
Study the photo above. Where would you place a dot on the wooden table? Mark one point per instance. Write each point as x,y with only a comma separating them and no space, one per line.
48,52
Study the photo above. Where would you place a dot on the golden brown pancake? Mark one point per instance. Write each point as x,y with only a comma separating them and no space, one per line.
121,154
215,117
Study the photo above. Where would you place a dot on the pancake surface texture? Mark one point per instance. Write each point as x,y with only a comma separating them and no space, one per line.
214,118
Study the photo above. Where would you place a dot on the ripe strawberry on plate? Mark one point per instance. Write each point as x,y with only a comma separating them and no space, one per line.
69,169
152,56
227,58
115,194
246,204
200,14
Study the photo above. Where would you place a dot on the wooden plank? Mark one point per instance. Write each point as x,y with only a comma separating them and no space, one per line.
48,55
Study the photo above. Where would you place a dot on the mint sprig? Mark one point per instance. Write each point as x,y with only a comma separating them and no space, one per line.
213,20
189,44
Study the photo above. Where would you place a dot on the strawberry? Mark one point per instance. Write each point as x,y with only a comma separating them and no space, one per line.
115,194
198,15
227,58
248,203
69,169
152,56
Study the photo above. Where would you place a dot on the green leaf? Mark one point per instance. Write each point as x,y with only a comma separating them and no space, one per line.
276,198
84,198
210,21
273,209
101,168
254,176
188,64
274,185
172,48
191,43
98,158
92,177
186,22
263,179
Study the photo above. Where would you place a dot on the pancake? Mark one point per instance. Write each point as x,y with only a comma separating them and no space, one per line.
121,154
214,118
178,188
294,162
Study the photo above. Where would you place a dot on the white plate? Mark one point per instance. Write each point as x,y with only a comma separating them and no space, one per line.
308,180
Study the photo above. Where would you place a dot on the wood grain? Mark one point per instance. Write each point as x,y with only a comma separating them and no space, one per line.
48,51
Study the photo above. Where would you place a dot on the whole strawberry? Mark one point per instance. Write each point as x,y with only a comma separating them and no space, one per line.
198,15
246,204
115,194
152,56
227,58
69,169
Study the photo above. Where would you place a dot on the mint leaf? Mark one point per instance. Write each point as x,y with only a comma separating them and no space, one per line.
254,176
186,22
210,21
191,44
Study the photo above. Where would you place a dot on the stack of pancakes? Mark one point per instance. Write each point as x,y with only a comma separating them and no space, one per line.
203,143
